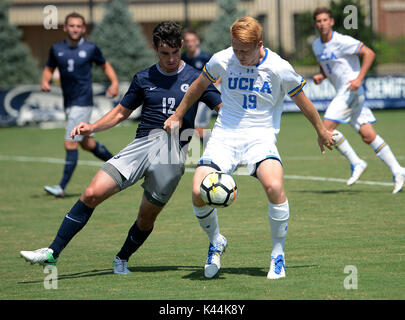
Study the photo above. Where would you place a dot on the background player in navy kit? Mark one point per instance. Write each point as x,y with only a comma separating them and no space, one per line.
159,89
197,58
74,58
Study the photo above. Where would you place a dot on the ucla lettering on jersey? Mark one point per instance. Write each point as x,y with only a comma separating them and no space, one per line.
248,84
254,95
339,58
324,56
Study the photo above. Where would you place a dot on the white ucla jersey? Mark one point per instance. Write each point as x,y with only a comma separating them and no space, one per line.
252,96
339,58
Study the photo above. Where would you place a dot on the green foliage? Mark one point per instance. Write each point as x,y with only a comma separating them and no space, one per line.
17,65
390,50
122,42
217,36
305,34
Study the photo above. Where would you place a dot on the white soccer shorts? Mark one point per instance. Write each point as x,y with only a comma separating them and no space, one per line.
229,148
347,107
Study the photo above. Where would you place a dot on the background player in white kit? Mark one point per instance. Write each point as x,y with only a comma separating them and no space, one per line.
338,57
254,83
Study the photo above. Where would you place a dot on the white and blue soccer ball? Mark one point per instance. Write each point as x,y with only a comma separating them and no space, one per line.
218,189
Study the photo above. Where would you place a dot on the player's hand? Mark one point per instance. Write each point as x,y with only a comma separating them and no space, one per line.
172,123
318,78
326,138
82,128
112,90
354,84
45,86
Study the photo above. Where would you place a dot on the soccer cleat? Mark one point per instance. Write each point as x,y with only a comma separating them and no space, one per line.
120,266
40,256
277,268
213,263
55,190
399,180
357,171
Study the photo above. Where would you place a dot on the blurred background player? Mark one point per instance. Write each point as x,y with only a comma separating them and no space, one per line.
255,81
74,58
195,57
154,155
338,57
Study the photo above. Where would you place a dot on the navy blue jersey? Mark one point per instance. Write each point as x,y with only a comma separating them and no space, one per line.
160,93
74,64
198,61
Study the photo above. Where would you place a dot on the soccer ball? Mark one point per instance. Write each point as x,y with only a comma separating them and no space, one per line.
218,189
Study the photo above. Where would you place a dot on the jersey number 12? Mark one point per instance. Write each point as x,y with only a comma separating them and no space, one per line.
168,105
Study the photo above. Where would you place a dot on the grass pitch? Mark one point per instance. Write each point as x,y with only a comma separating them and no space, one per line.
336,233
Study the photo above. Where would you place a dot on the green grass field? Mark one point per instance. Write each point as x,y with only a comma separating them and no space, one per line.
332,226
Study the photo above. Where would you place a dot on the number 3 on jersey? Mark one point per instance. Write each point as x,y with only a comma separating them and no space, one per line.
168,102
249,101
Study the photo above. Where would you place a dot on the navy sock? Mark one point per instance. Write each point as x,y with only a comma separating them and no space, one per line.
73,222
133,241
70,165
101,152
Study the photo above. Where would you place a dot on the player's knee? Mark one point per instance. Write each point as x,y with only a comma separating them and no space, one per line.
275,191
367,138
91,196
86,146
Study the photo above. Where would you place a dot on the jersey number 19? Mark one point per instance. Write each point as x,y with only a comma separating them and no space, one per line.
249,101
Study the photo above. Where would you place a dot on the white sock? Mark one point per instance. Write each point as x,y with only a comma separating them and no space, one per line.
383,151
278,219
208,219
345,148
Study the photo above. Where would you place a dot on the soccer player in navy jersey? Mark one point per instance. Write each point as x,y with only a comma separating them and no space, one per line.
194,56
74,58
154,155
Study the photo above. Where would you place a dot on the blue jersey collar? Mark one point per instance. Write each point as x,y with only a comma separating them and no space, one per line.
265,56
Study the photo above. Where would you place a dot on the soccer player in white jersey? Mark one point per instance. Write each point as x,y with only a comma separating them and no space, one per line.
254,83
338,57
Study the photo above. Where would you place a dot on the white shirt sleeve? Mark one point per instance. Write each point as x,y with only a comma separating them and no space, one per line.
292,82
212,69
350,46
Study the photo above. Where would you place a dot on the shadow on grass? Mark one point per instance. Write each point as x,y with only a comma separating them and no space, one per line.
331,191
197,272
49,196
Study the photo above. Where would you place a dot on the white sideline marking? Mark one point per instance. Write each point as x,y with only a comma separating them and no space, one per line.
241,171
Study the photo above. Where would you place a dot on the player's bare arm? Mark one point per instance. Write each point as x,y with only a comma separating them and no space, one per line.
109,120
325,137
46,78
368,57
112,90
195,91
319,77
